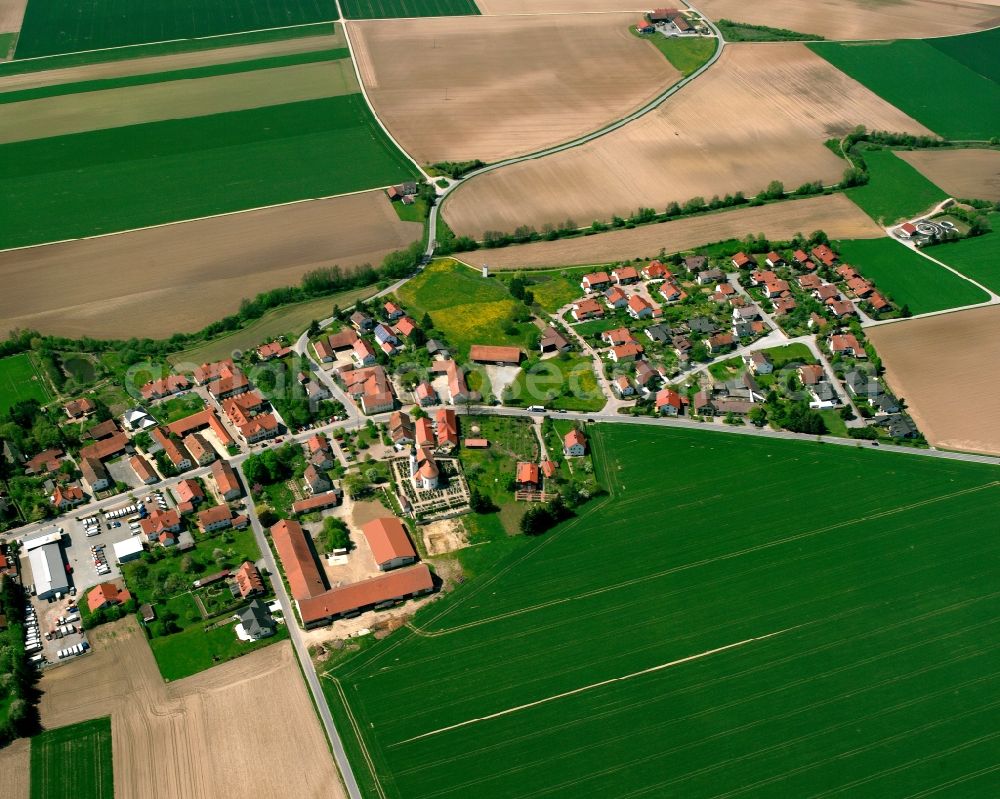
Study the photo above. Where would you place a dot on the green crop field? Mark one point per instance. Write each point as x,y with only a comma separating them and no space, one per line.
975,257
952,95
686,55
73,761
907,277
121,178
19,381
895,191
673,641
68,26
390,9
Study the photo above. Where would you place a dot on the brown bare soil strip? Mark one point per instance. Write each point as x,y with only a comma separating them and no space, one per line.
557,6
12,15
945,367
969,174
179,99
15,766
851,19
834,214
163,280
250,719
759,114
165,63
495,87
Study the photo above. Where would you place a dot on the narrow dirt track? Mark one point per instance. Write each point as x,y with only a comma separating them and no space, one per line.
249,720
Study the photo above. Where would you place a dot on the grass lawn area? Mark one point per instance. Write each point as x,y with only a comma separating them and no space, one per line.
686,54
389,9
552,288
727,369
289,320
835,426
466,308
271,62
907,277
595,326
512,439
566,381
896,190
976,257
196,649
799,353
68,26
137,175
809,651
19,380
73,761
953,96
417,212
170,410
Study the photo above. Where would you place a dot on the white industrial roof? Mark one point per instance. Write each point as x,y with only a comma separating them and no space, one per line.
130,546
47,569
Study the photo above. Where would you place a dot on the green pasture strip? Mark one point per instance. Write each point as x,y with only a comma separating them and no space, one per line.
895,190
395,9
73,761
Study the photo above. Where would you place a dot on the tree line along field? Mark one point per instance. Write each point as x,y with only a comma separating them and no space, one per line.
909,278
835,645
895,190
950,85
73,761
394,9
116,179
19,380
52,27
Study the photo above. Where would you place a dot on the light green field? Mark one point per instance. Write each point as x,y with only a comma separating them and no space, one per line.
673,641
19,381
73,761
976,257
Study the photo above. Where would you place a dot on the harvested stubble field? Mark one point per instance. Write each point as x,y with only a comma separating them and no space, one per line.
175,99
15,765
182,277
189,738
837,647
830,213
848,19
969,174
69,26
946,368
495,87
167,63
11,15
779,110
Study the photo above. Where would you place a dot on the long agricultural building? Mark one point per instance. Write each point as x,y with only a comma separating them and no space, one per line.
47,570
319,605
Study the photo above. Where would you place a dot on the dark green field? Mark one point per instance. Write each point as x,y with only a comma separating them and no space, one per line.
896,190
394,9
976,257
73,761
952,95
684,639
907,277
69,26
121,178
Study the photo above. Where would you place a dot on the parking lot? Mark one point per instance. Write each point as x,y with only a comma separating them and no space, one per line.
53,627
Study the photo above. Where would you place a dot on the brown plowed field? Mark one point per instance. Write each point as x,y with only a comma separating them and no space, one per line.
249,721
946,369
174,278
165,63
759,114
15,766
558,6
493,87
176,99
851,19
11,16
834,214
969,174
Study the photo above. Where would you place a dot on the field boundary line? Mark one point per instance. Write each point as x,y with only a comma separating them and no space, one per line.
956,781
174,41
196,218
706,561
357,733
601,684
